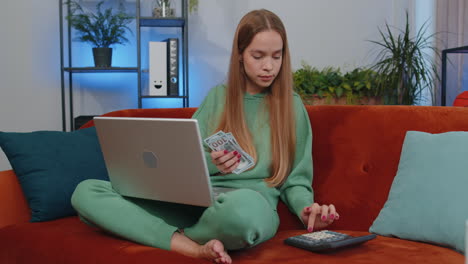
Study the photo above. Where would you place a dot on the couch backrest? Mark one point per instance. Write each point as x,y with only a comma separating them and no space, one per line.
356,150
150,112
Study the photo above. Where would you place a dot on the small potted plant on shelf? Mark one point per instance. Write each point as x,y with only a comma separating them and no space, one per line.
101,28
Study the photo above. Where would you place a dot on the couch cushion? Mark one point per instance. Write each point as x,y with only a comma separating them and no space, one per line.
49,165
427,200
70,241
381,250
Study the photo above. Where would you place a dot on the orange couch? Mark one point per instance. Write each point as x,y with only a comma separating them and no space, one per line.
356,151
461,99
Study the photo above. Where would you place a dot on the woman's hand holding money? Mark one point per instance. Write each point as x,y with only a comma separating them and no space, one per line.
225,161
225,143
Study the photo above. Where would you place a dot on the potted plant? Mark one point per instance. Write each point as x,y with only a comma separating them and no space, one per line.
193,5
405,69
330,86
101,28
360,87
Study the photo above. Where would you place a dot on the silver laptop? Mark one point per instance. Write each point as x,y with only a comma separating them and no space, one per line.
156,158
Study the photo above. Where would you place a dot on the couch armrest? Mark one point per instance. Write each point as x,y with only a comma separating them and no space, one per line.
13,206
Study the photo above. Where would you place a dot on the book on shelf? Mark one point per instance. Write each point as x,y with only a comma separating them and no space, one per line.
173,66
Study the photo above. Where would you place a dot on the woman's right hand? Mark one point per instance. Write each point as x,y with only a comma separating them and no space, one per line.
225,161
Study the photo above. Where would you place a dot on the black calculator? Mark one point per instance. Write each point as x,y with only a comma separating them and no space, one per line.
326,240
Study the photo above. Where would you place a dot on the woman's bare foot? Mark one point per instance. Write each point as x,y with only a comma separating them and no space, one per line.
214,250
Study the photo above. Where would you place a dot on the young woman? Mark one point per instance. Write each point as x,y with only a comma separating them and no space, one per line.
269,122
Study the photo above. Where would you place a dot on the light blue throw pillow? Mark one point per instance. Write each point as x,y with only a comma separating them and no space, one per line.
429,195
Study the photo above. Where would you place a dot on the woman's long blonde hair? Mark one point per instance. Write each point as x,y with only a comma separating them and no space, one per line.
279,100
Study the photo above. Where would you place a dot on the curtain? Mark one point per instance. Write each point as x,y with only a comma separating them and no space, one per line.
452,32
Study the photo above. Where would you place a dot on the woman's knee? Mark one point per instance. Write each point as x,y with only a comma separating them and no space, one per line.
86,190
247,214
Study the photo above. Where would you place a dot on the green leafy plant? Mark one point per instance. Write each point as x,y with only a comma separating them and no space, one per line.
330,83
405,69
101,28
360,82
311,81
193,5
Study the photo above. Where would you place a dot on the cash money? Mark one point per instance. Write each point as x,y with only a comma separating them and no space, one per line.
226,141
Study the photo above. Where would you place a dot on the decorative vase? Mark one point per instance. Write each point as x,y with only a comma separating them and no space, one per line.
163,9
102,57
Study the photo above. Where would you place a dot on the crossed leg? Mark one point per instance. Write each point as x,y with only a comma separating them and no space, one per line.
238,219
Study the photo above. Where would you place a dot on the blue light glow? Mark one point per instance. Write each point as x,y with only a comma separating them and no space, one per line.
161,102
124,85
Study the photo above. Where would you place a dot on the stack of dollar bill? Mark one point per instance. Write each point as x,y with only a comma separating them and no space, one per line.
225,141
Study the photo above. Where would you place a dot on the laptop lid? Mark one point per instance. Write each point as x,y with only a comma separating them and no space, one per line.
155,158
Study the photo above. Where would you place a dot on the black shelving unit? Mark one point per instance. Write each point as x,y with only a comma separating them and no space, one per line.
463,49
141,22
172,22
100,70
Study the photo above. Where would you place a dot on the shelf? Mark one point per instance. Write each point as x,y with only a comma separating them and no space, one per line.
163,96
98,69
161,22
142,23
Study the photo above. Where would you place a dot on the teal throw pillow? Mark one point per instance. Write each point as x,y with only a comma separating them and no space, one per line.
49,165
428,197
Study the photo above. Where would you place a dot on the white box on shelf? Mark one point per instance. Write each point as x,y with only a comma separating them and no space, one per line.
157,68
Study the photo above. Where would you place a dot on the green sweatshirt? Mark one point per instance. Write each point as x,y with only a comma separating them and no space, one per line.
296,192
238,219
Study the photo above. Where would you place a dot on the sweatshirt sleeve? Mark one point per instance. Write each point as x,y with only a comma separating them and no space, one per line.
207,115
297,191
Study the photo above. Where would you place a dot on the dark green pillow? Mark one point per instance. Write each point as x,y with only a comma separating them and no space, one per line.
49,165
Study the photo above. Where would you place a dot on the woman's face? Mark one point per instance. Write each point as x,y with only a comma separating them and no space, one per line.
262,60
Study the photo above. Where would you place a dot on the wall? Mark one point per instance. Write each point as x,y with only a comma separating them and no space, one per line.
29,67
321,33
425,16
